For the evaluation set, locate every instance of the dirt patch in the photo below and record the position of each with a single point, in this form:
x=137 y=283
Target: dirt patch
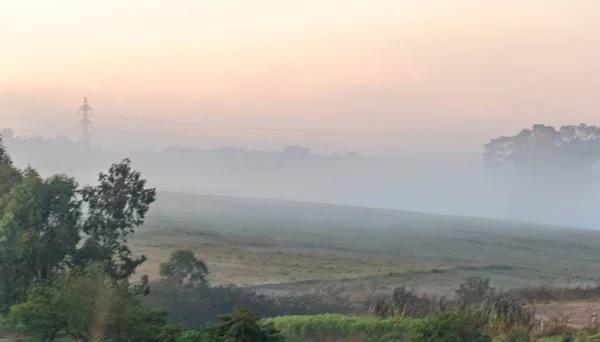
x=577 y=315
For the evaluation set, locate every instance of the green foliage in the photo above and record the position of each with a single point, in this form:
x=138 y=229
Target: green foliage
x=87 y=304
x=9 y=175
x=447 y=327
x=115 y=207
x=242 y=325
x=39 y=314
x=212 y=333
x=192 y=336
x=20 y=227
x=339 y=326
x=517 y=335
x=130 y=321
x=184 y=270
x=4 y=156
x=41 y=225
x=76 y=303
x=49 y=285
x=551 y=339
x=39 y=229
x=271 y=333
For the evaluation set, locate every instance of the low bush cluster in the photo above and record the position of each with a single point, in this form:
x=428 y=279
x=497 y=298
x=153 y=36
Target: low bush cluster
x=500 y=311
x=201 y=305
x=329 y=326
x=440 y=327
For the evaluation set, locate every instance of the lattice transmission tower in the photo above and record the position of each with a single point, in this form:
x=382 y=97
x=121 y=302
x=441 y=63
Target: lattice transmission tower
x=85 y=111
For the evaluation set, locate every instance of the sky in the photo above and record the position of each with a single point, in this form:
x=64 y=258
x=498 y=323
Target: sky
x=377 y=76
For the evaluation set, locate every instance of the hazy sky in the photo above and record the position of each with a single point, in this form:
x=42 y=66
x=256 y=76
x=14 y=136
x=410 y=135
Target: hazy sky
x=372 y=75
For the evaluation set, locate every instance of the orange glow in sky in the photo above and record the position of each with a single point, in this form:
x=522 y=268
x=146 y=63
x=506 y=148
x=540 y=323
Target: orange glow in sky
x=443 y=59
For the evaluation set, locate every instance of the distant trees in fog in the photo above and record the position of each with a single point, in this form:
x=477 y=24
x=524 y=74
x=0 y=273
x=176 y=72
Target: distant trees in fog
x=547 y=171
x=574 y=148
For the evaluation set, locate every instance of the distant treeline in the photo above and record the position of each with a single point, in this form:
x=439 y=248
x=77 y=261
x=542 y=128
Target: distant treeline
x=541 y=174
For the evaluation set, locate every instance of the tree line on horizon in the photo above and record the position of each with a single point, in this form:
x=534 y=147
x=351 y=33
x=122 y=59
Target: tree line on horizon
x=523 y=174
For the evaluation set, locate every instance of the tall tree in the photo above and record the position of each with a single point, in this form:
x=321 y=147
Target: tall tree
x=4 y=156
x=41 y=226
x=115 y=207
x=9 y=175
x=39 y=231
x=20 y=225
x=60 y=234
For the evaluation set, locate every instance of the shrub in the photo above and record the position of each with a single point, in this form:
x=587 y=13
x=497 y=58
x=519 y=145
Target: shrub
x=191 y=336
x=240 y=325
x=473 y=292
x=499 y=311
x=331 y=326
x=516 y=336
x=554 y=339
x=404 y=302
x=198 y=306
x=446 y=327
x=502 y=311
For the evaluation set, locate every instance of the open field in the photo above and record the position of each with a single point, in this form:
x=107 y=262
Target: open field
x=290 y=247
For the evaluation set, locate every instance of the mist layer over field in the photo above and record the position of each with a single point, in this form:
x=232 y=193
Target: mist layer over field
x=457 y=184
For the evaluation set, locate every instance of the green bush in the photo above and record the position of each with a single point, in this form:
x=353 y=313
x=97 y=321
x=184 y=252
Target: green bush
x=240 y=325
x=446 y=327
x=516 y=336
x=551 y=339
x=190 y=336
x=321 y=327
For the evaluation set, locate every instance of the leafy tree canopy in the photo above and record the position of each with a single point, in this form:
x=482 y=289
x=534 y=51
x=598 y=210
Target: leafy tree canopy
x=115 y=207
x=184 y=269
x=544 y=147
x=242 y=325
x=42 y=223
x=88 y=305
x=4 y=156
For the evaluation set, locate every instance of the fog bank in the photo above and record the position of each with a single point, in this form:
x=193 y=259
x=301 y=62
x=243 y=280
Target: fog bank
x=446 y=184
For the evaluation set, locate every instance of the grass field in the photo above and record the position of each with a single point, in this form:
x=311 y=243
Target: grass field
x=290 y=247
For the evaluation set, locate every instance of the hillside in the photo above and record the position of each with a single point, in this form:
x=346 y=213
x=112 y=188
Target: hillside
x=293 y=246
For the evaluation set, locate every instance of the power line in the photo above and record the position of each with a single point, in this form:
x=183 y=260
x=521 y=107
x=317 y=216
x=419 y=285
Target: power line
x=259 y=128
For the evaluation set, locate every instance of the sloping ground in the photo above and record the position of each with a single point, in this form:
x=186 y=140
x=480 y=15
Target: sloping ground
x=293 y=246
x=440 y=281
